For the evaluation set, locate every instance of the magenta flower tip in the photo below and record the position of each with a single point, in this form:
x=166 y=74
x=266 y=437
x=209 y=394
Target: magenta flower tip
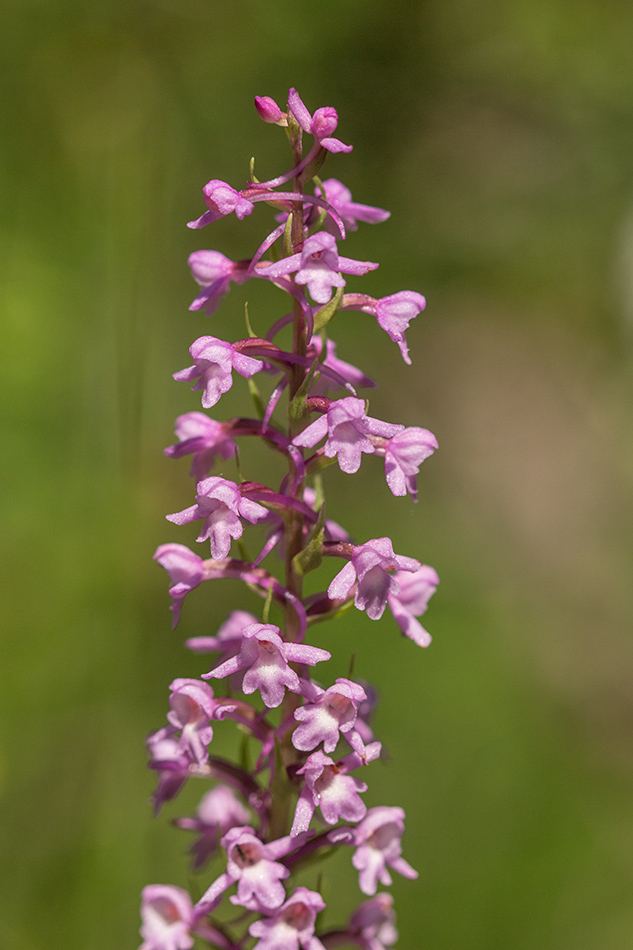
x=269 y=111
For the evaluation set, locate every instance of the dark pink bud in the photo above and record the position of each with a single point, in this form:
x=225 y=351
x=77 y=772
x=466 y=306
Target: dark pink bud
x=269 y=111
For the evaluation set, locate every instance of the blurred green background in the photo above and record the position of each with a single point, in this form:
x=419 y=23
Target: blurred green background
x=500 y=135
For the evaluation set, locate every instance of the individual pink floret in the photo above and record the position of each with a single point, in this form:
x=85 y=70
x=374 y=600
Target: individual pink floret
x=373 y=923
x=377 y=841
x=221 y=199
x=394 y=313
x=218 y=811
x=370 y=565
x=333 y=713
x=340 y=197
x=253 y=865
x=292 y=926
x=329 y=787
x=269 y=111
x=404 y=454
x=411 y=601
x=191 y=707
x=265 y=656
x=321 y=124
x=171 y=762
x=212 y=372
x=319 y=266
x=347 y=429
x=204 y=439
x=220 y=504
x=214 y=272
x=185 y=570
x=167 y=917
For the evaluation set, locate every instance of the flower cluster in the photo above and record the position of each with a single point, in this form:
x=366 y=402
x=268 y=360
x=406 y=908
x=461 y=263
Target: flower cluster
x=303 y=797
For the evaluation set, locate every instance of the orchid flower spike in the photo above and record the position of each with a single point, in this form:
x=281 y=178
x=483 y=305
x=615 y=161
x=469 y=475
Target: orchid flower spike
x=296 y=787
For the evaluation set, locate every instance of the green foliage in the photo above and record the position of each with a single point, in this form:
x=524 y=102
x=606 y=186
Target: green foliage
x=325 y=313
x=298 y=412
x=312 y=555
